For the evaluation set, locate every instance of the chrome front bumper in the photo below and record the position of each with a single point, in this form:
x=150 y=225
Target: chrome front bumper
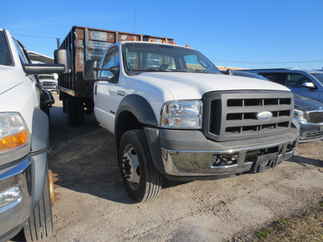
x=15 y=198
x=202 y=163
x=310 y=132
x=189 y=154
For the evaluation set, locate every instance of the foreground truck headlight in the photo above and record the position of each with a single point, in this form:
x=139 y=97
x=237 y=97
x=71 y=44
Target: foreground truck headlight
x=13 y=132
x=184 y=114
x=299 y=116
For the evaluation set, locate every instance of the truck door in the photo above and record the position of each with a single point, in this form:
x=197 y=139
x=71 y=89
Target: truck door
x=107 y=92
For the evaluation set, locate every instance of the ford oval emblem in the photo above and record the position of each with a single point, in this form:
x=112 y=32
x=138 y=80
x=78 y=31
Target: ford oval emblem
x=264 y=116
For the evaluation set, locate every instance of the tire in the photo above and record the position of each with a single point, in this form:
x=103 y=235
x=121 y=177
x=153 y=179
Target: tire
x=40 y=223
x=75 y=111
x=150 y=181
x=65 y=108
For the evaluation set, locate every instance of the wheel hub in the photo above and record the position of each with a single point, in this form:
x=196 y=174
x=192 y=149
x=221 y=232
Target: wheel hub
x=131 y=166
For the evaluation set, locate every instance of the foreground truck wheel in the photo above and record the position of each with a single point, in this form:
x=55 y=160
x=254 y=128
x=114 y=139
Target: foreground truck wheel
x=142 y=181
x=40 y=224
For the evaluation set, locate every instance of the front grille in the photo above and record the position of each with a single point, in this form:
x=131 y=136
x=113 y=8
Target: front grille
x=232 y=115
x=46 y=83
x=313 y=134
x=315 y=117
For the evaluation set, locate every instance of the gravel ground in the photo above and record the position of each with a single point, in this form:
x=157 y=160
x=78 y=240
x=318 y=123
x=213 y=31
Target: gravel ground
x=307 y=225
x=93 y=205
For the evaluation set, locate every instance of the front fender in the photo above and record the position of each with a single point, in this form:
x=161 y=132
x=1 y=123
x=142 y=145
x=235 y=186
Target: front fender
x=140 y=108
x=39 y=146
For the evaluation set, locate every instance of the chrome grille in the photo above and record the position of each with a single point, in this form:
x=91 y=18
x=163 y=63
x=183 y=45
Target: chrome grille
x=232 y=115
x=315 y=117
x=47 y=83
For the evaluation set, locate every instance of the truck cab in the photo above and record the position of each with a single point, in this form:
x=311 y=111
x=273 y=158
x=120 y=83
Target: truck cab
x=24 y=187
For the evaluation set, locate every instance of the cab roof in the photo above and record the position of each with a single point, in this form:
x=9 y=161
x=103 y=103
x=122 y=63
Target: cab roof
x=148 y=42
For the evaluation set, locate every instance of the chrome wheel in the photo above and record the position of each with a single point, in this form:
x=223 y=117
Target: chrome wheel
x=131 y=167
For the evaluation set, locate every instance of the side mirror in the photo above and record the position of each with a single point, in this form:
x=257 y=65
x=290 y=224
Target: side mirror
x=106 y=75
x=32 y=69
x=60 y=57
x=309 y=85
x=111 y=74
x=91 y=70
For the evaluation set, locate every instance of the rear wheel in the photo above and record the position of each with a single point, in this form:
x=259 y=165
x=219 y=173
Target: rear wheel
x=40 y=223
x=75 y=110
x=140 y=177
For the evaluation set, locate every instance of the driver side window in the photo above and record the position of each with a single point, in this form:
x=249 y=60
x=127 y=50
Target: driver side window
x=111 y=59
x=110 y=65
x=296 y=80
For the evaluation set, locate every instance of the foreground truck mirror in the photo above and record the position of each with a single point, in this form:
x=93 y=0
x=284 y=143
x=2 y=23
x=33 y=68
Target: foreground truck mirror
x=32 y=69
x=60 y=57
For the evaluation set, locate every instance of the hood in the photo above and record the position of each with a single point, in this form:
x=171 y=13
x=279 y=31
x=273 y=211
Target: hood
x=9 y=77
x=194 y=85
x=307 y=104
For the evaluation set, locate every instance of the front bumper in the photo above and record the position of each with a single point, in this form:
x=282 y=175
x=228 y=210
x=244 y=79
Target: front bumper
x=188 y=153
x=310 y=132
x=15 y=210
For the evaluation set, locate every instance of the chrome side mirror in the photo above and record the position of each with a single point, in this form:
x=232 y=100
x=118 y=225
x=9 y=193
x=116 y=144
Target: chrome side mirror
x=309 y=85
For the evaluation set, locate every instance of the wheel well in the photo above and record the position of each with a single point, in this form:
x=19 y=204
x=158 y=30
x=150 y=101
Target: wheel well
x=126 y=121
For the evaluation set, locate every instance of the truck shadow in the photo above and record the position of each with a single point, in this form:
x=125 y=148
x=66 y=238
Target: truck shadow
x=85 y=160
x=306 y=161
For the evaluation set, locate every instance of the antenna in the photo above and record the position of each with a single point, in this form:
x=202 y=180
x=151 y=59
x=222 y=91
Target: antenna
x=134 y=20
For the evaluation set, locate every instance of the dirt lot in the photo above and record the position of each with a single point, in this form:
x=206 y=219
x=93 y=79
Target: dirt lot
x=306 y=226
x=94 y=206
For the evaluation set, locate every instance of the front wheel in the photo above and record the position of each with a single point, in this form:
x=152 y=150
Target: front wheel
x=140 y=177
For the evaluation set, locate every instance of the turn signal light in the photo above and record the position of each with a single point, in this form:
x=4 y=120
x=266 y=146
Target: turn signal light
x=14 y=140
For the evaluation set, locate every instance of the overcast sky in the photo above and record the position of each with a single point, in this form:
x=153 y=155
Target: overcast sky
x=238 y=33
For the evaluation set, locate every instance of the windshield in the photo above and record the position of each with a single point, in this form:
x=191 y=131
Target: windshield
x=141 y=57
x=319 y=76
x=5 y=56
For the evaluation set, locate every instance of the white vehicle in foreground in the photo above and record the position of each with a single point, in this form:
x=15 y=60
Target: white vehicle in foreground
x=24 y=187
x=175 y=116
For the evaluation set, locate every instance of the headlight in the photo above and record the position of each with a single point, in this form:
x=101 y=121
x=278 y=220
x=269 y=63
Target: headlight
x=184 y=114
x=299 y=116
x=13 y=131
